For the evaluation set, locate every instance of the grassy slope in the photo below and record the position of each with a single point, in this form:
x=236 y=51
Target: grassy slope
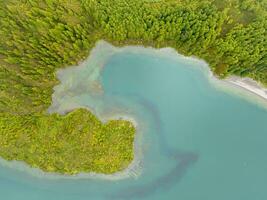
x=38 y=37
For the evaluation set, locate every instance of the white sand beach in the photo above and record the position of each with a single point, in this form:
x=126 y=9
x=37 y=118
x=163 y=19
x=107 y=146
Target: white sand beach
x=249 y=85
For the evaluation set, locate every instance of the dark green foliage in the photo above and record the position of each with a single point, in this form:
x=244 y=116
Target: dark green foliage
x=229 y=34
x=244 y=51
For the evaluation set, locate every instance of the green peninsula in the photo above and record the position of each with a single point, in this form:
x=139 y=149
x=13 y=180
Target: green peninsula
x=73 y=143
x=39 y=37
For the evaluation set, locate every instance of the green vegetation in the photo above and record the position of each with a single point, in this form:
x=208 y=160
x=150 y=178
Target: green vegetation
x=76 y=142
x=38 y=37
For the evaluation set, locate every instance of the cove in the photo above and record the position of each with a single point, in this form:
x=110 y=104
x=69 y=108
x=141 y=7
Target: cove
x=194 y=141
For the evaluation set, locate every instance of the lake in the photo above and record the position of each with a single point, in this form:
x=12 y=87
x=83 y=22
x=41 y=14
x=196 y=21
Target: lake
x=195 y=141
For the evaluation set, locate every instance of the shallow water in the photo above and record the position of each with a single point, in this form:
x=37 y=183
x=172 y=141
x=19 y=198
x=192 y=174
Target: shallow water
x=195 y=141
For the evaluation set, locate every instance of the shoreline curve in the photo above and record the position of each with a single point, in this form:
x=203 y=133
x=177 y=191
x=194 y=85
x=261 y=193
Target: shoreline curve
x=134 y=169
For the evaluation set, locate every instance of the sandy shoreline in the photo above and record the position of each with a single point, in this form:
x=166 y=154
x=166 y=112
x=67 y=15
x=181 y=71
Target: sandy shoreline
x=246 y=88
x=248 y=84
x=133 y=170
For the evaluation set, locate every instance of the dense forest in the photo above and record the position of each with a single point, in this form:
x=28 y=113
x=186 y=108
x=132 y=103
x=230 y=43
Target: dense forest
x=63 y=144
x=38 y=37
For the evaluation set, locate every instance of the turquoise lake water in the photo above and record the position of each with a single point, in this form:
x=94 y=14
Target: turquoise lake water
x=196 y=142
